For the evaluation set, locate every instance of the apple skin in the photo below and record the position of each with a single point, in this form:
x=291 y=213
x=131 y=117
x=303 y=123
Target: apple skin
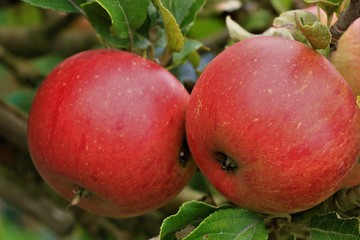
x=346 y=59
x=284 y=115
x=112 y=123
x=353 y=179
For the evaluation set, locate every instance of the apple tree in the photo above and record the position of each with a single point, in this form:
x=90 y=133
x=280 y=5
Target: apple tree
x=193 y=119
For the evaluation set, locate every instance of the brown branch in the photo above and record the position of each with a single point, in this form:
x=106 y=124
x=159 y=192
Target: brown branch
x=57 y=24
x=32 y=41
x=13 y=126
x=346 y=18
x=21 y=68
x=57 y=220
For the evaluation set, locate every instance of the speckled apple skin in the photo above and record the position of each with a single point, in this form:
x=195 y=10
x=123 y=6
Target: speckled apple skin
x=284 y=114
x=112 y=123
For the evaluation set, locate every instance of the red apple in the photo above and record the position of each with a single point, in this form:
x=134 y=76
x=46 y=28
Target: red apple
x=346 y=59
x=273 y=125
x=111 y=123
x=353 y=179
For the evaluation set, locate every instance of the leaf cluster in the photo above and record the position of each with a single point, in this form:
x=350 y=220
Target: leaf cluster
x=198 y=220
x=143 y=26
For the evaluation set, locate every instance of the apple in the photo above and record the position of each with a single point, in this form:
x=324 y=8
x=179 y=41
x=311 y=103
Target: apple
x=273 y=125
x=353 y=179
x=107 y=128
x=346 y=59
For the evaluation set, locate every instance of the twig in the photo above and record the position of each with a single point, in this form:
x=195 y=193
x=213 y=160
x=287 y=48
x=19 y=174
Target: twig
x=57 y=220
x=345 y=20
x=13 y=126
x=32 y=41
x=57 y=24
x=22 y=69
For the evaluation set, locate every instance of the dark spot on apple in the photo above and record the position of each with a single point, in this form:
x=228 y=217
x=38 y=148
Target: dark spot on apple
x=184 y=154
x=227 y=164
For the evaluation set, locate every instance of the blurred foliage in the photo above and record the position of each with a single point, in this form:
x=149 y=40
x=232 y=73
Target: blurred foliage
x=20 y=15
x=15 y=226
x=206 y=27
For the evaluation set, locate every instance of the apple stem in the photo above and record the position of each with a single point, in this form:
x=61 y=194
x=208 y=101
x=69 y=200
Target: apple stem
x=80 y=193
x=227 y=164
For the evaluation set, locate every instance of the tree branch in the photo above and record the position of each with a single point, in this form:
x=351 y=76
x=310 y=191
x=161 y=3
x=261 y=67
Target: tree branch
x=13 y=126
x=22 y=69
x=57 y=220
x=345 y=20
x=38 y=40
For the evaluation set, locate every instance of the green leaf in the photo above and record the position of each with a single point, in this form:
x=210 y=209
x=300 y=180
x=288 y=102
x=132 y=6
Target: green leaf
x=21 y=15
x=173 y=32
x=190 y=47
x=101 y=21
x=184 y=11
x=11 y=230
x=117 y=20
x=317 y=34
x=64 y=5
x=281 y=6
x=195 y=59
x=287 y=20
x=258 y=20
x=281 y=32
x=329 y=6
x=126 y=16
x=205 y=27
x=190 y=214
x=237 y=224
x=236 y=32
x=331 y=227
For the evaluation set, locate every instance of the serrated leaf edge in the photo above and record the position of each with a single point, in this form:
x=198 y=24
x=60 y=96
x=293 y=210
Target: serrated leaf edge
x=186 y=204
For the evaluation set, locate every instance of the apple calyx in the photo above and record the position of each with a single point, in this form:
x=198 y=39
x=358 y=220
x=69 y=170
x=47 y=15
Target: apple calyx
x=227 y=164
x=80 y=193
